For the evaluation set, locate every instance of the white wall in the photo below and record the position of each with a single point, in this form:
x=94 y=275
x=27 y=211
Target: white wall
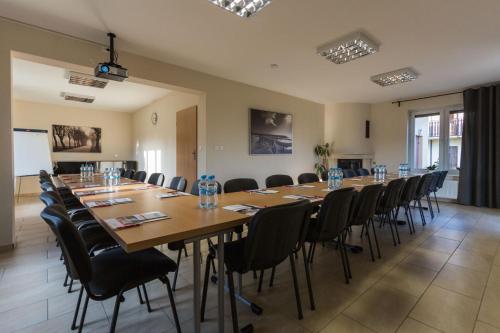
x=116 y=131
x=162 y=136
x=345 y=128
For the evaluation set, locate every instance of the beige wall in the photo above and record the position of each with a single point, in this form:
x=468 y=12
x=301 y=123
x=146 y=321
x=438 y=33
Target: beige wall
x=223 y=116
x=345 y=128
x=116 y=132
x=390 y=127
x=162 y=136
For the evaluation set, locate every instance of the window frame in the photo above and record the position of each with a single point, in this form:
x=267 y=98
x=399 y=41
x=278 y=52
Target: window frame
x=444 y=134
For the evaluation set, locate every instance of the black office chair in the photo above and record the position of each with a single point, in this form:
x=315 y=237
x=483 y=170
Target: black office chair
x=140 y=176
x=195 y=190
x=274 y=234
x=240 y=184
x=112 y=272
x=362 y=213
x=422 y=190
x=156 y=179
x=278 y=180
x=436 y=175
x=331 y=223
x=324 y=175
x=178 y=183
x=407 y=195
x=78 y=215
x=129 y=173
x=122 y=171
x=349 y=173
x=308 y=178
x=386 y=208
x=362 y=172
x=439 y=185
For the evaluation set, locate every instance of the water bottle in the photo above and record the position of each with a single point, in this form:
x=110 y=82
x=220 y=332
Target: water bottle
x=106 y=176
x=331 y=179
x=383 y=172
x=212 y=196
x=91 y=175
x=377 y=172
x=401 y=170
x=202 y=192
x=82 y=170
x=340 y=178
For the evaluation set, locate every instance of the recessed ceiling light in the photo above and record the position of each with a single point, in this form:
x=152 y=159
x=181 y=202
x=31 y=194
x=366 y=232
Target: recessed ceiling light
x=398 y=76
x=275 y=66
x=86 y=80
x=242 y=8
x=348 y=48
x=77 y=97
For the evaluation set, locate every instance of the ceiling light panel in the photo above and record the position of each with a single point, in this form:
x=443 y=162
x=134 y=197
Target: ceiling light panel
x=86 y=80
x=398 y=76
x=242 y=8
x=348 y=48
x=77 y=98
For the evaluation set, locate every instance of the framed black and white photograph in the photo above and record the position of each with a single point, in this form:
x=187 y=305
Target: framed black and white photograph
x=76 y=139
x=270 y=132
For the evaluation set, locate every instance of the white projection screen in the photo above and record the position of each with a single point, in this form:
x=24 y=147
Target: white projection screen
x=31 y=152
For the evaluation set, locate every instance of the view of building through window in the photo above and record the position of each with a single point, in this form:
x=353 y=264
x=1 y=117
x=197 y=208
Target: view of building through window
x=428 y=138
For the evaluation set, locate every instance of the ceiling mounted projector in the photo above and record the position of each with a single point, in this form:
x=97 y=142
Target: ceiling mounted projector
x=111 y=70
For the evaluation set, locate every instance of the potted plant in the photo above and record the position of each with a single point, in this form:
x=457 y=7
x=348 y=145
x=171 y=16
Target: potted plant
x=433 y=167
x=322 y=153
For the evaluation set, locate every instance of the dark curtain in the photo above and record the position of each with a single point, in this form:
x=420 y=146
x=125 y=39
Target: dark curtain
x=479 y=183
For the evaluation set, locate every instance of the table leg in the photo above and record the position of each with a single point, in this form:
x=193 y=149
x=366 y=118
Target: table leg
x=196 y=286
x=220 y=280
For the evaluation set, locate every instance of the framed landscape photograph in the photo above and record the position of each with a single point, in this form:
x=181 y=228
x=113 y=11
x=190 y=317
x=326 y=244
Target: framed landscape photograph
x=270 y=132
x=76 y=139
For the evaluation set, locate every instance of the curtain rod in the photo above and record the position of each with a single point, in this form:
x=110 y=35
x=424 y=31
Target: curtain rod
x=426 y=97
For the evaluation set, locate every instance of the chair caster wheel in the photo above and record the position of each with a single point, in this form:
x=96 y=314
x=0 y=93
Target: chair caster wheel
x=247 y=329
x=122 y=299
x=214 y=279
x=256 y=309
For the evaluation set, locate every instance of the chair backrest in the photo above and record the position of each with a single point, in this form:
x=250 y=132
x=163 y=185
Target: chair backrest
x=423 y=185
x=156 y=179
x=72 y=245
x=122 y=172
x=365 y=203
x=240 y=184
x=140 y=176
x=195 y=190
x=274 y=233
x=333 y=215
x=178 y=183
x=391 y=195
x=278 y=180
x=435 y=179
x=308 y=178
x=324 y=175
x=47 y=186
x=50 y=198
x=129 y=173
x=409 y=190
x=362 y=172
x=349 y=173
x=442 y=178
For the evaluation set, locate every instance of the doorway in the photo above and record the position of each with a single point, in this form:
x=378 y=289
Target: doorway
x=187 y=143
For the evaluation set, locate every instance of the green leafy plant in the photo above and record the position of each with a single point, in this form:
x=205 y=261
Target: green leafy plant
x=322 y=153
x=433 y=166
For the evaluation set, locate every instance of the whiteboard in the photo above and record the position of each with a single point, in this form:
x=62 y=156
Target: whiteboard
x=31 y=152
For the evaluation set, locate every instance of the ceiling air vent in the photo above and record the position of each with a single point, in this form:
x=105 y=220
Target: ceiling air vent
x=86 y=80
x=77 y=98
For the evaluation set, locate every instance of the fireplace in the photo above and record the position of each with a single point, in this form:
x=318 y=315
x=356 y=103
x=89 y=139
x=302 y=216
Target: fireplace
x=350 y=163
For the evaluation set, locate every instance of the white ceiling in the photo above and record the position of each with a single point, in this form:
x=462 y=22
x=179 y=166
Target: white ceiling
x=43 y=83
x=451 y=43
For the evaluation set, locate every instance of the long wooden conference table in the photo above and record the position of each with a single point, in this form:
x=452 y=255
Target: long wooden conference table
x=186 y=220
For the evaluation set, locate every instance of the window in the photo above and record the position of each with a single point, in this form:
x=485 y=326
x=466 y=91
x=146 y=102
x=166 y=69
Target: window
x=435 y=139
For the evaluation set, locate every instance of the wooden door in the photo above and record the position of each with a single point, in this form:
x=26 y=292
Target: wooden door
x=187 y=144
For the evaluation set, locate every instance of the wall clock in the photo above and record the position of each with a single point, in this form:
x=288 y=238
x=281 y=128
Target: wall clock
x=154 y=118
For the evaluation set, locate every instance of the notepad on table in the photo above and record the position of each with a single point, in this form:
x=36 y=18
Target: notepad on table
x=263 y=191
x=85 y=193
x=109 y=202
x=171 y=195
x=311 y=198
x=246 y=209
x=135 y=220
x=302 y=185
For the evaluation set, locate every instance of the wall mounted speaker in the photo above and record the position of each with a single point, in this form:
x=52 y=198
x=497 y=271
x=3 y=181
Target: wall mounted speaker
x=367 y=129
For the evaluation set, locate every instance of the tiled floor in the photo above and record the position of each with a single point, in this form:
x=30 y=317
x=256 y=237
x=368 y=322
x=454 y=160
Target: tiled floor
x=444 y=278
